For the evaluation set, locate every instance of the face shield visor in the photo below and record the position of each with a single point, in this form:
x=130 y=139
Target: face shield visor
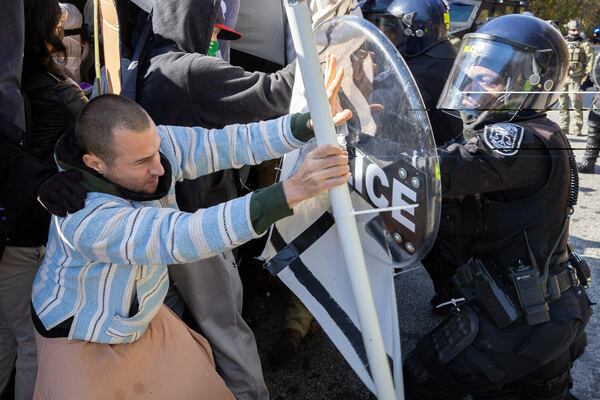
x=391 y=27
x=489 y=77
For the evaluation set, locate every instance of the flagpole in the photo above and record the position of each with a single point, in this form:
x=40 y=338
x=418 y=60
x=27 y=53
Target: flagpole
x=304 y=43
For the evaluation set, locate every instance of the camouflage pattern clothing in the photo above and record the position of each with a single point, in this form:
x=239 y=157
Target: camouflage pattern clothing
x=581 y=61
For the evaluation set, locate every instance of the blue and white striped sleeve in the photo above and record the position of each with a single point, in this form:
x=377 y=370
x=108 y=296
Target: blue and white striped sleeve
x=115 y=232
x=194 y=152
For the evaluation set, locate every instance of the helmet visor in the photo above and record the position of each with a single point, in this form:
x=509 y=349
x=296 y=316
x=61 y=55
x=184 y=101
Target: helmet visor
x=489 y=76
x=391 y=26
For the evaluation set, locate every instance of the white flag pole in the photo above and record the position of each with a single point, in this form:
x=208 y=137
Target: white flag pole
x=308 y=60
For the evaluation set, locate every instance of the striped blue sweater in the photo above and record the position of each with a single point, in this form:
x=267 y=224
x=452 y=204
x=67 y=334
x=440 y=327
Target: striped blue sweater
x=98 y=258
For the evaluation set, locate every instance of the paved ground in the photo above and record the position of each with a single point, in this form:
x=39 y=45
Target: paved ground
x=319 y=372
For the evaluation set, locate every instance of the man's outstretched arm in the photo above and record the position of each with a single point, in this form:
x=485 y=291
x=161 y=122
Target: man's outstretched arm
x=115 y=232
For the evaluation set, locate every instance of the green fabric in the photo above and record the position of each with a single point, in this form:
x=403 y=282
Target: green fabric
x=92 y=183
x=213 y=49
x=301 y=128
x=267 y=206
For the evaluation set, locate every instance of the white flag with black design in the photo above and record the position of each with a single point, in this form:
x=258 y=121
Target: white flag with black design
x=394 y=169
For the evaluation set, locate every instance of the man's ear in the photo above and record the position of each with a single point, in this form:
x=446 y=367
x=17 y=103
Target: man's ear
x=93 y=162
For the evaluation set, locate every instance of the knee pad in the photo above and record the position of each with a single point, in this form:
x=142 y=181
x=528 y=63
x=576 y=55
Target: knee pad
x=441 y=345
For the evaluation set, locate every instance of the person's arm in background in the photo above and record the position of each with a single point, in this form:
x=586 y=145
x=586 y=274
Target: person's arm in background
x=22 y=178
x=226 y=94
x=12 y=38
x=20 y=174
x=591 y=56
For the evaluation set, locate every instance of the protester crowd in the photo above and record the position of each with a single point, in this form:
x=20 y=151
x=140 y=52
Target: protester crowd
x=121 y=215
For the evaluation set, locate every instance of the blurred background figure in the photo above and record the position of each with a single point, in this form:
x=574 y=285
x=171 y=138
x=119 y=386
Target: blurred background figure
x=581 y=61
x=73 y=39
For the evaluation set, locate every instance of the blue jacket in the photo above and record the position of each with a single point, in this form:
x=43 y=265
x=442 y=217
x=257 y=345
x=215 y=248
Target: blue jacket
x=100 y=257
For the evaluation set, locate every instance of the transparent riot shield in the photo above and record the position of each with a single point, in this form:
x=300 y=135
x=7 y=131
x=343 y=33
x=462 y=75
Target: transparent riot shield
x=394 y=168
x=393 y=157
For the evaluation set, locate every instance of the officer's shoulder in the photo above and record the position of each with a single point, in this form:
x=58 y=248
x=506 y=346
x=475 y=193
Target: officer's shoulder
x=505 y=139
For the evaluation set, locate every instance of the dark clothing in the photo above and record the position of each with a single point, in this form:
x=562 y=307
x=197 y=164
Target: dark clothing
x=52 y=106
x=20 y=175
x=431 y=70
x=511 y=188
x=506 y=173
x=178 y=85
x=515 y=363
x=12 y=38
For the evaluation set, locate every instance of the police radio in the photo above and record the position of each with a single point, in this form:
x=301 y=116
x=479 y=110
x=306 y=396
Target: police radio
x=530 y=286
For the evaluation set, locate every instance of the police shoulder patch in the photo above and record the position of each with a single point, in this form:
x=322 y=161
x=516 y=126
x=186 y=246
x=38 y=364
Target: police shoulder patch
x=503 y=139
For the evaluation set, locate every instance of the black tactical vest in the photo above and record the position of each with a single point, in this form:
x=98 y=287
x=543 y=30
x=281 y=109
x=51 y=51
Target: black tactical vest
x=541 y=214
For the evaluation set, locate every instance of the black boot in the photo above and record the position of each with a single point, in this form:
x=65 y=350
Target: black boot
x=587 y=165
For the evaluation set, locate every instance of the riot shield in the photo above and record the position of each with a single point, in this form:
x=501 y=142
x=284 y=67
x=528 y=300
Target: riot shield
x=390 y=141
x=596 y=71
x=394 y=167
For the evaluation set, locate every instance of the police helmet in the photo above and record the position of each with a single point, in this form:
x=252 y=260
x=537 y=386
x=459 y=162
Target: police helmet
x=413 y=26
x=512 y=66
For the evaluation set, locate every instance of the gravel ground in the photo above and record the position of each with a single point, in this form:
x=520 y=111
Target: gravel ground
x=319 y=371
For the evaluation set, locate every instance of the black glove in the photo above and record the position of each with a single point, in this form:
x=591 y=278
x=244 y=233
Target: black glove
x=62 y=193
x=587 y=83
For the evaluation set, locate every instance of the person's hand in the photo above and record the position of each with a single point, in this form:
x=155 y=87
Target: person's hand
x=323 y=168
x=333 y=83
x=62 y=193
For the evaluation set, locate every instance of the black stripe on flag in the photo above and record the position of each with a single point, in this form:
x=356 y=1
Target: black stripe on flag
x=289 y=255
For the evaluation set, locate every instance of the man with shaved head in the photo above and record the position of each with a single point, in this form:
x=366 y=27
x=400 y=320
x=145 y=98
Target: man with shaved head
x=104 y=278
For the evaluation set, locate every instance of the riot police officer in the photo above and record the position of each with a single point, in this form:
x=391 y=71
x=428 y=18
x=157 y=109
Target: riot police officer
x=519 y=322
x=588 y=164
x=581 y=60
x=419 y=30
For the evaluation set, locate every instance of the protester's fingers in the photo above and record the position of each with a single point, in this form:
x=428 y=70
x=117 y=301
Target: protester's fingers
x=332 y=62
x=328 y=70
x=334 y=86
x=326 y=150
x=318 y=167
x=331 y=183
x=342 y=117
x=334 y=171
